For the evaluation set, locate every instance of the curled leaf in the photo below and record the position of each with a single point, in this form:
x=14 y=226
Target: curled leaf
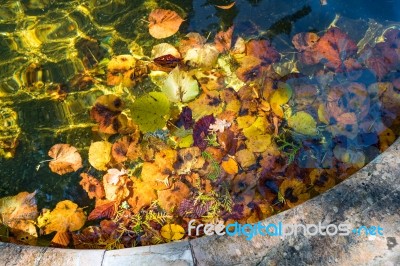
x=92 y=186
x=164 y=23
x=226 y=7
x=66 y=159
x=116 y=184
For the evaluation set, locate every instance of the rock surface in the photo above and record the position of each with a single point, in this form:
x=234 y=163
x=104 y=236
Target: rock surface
x=371 y=197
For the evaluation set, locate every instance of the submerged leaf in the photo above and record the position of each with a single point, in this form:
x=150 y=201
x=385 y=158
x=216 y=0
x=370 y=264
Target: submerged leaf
x=19 y=207
x=164 y=23
x=66 y=159
x=280 y=97
x=106 y=111
x=303 y=123
x=180 y=86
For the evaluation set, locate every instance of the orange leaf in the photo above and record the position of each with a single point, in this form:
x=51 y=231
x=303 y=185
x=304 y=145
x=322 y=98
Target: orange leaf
x=106 y=210
x=164 y=23
x=230 y=166
x=223 y=40
x=227 y=6
x=61 y=239
x=66 y=159
x=19 y=207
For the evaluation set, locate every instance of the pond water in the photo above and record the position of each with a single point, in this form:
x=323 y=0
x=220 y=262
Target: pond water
x=341 y=113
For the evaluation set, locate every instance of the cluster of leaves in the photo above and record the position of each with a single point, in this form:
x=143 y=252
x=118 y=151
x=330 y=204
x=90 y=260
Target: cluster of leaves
x=223 y=137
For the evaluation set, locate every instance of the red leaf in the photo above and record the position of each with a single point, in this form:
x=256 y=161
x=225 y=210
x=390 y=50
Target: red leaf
x=168 y=61
x=263 y=50
x=103 y=211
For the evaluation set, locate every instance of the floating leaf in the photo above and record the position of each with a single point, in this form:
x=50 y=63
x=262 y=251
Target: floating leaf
x=24 y=231
x=143 y=195
x=245 y=158
x=259 y=143
x=180 y=86
x=106 y=111
x=263 y=50
x=100 y=154
x=66 y=159
x=231 y=167
x=293 y=192
x=223 y=40
x=106 y=210
x=201 y=131
x=191 y=40
x=303 y=123
x=164 y=23
x=61 y=239
x=66 y=217
x=116 y=184
x=19 y=207
x=219 y=125
x=169 y=199
x=92 y=186
x=205 y=56
x=151 y=111
x=172 y=232
x=164 y=49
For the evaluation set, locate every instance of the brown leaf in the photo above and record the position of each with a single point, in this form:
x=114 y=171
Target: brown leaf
x=19 y=207
x=226 y=7
x=190 y=41
x=263 y=50
x=116 y=184
x=305 y=41
x=92 y=186
x=66 y=159
x=106 y=210
x=164 y=23
x=106 y=112
x=223 y=40
x=170 y=199
x=61 y=239
x=126 y=148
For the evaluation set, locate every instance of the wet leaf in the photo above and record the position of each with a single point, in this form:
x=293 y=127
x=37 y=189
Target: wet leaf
x=164 y=49
x=294 y=192
x=191 y=40
x=280 y=97
x=189 y=159
x=303 y=123
x=164 y=23
x=106 y=210
x=386 y=138
x=116 y=184
x=169 y=199
x=226 y=7
x=106 y=111
x=100 y=154
x=24 y=231
x=202 y=57
x=180 y=86
x=19 y=207
x=263 y=50
x=305 y=40
x=245 y=158
x=186 y=118
x=223 y=40
x=230 y=166
x=61 y=239
x=208 y=103
x=143 y=195
x=66 y=217
x=66 y=159
x=172 y=232
x=151 y=111
x=92 y=186
x=259 y=143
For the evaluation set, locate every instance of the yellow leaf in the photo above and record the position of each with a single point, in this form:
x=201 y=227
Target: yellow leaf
x=245 y=158
x=259 y=127
x=24 y=231
x=100 y=154
x=245 y=121
x=172 y=232
x=230 y=166
x=259 y=143
x=66 y=216
x=281 y=96
x=303 y=123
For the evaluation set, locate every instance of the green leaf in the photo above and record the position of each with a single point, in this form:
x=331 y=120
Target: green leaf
x=180 y=86
x=151 y=111
x=303 y=123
